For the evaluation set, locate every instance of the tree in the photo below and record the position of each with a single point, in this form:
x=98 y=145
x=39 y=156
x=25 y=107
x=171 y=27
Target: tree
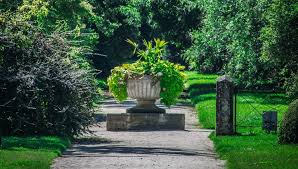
x=280 y=41
x=139 y=20
x=122 y=20
x=228 y=41
x=175 y=20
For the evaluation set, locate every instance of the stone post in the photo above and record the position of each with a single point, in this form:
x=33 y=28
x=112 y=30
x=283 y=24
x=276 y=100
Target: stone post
x=224 y=106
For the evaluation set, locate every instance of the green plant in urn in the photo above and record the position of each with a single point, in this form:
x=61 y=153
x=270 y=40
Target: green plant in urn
x=148 y=79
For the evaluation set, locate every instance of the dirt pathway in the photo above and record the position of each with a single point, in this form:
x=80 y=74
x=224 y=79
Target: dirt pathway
x=189 y=149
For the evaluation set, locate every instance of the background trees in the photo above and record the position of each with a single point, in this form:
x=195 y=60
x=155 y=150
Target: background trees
x=142 y=19
x=228 y=41
x=254 y=41
x=280 y=40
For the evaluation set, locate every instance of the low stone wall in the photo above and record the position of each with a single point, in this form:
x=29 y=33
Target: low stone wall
x=145 y=121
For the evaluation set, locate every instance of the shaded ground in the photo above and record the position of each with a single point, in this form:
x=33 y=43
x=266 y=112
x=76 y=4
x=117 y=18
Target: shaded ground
x=189 y=149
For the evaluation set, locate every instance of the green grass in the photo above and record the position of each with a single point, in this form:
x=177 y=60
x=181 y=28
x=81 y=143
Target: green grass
x=30 y=152
x=201 y=89
x=260 y=151
x=252 y=148
x=250 y=105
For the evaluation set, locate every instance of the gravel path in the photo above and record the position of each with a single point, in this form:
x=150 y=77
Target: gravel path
x=189 y=149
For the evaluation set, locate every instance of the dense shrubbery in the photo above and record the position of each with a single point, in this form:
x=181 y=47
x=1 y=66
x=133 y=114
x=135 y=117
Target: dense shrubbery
x=43 y=90
x=289 y=127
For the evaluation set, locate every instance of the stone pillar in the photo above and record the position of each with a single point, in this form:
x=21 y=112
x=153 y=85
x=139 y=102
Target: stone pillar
x=224 y=106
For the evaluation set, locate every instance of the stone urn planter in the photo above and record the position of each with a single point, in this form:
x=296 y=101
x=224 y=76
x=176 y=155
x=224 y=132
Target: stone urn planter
x=146 y=91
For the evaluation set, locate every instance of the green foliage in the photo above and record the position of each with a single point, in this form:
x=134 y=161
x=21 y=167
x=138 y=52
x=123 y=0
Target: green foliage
x=104 y=25
x=172 y=81
x=62 y=14
x=253 y=41
x=280 y=40
x=228 y=40
x=291 y=86
x=150 y=63
x=9 y=5
x=117 y=82
x=70 y=19
x=31 y=152
x=289 y=127
x=102 y=84
x=175 y=19
x=42 y=90
x=257 y=151
x=142 y=19
x=121 y=20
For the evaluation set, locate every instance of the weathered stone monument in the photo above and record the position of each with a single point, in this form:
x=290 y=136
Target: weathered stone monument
x=145 y=115
x=224 y=106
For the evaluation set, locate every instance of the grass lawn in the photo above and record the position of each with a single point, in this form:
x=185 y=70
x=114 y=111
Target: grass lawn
x=250 y=105
x=259 y=151
x=201 y=90
x=30 y=152
x=252 y=148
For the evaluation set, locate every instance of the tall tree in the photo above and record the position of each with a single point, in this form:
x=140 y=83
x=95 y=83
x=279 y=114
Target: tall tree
x=280 y=41
x=229 y=41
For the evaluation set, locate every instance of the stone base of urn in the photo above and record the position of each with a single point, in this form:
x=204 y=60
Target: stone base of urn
x=145 y=106
x=145 y=121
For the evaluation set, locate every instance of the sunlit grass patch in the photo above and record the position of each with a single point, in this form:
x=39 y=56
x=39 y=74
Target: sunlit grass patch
x=259 y=151
x=250 y=105
x=30 y=152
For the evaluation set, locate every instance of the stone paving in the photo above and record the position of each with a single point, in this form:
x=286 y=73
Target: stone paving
x=189 y=149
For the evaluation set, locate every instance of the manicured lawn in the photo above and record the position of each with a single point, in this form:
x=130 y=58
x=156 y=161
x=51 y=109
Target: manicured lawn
x=201 y=90
x=252 y=148
x=250 y=105
x=30 y=152
x=260 y=151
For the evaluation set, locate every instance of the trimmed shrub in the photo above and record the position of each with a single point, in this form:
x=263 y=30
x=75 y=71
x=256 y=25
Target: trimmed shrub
x=289 y=127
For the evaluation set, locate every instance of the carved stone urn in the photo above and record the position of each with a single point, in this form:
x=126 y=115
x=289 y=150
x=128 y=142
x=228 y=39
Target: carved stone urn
x=146 y=91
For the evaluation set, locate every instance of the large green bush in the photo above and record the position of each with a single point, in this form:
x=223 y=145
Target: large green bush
x=289 y=126
x=43 y=90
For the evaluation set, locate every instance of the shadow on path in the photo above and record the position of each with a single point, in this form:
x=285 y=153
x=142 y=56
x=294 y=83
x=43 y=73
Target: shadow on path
x=99 y=150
